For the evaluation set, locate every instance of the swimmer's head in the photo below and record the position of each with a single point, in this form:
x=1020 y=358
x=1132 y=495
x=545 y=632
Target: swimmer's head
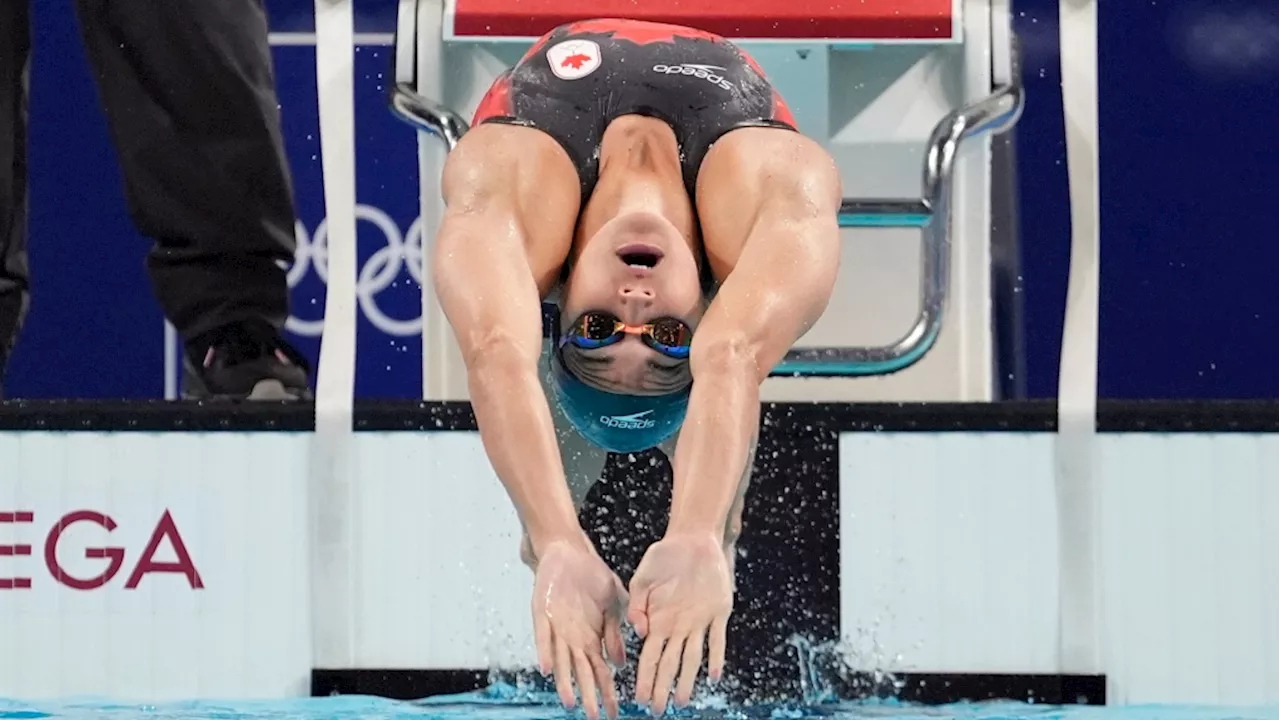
x=628 y=312
x=634 y=294
x=613 y=421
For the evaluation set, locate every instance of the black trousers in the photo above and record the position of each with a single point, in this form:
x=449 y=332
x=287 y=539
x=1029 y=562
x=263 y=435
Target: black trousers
x=189 y=94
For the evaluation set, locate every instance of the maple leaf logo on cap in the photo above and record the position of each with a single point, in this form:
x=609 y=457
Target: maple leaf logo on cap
x=574 y=59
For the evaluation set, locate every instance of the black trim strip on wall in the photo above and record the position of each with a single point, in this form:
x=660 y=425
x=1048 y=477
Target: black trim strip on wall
x=154 y=416
x=1256 y=416
x=913 y=687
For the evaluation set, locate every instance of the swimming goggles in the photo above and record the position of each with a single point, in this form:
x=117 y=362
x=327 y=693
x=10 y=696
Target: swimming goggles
x=596 y=329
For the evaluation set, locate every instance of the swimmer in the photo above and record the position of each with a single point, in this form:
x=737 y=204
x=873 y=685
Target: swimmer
x=648 y=181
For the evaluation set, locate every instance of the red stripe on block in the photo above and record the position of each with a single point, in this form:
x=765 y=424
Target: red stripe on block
x=763 y=19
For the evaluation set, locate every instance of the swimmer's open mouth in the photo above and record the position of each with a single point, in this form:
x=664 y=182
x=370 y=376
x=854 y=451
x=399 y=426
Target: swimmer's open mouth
x=645 y=256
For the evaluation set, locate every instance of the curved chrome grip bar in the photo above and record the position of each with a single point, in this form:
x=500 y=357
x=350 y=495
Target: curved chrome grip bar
x=427 y=115
x=931 y=213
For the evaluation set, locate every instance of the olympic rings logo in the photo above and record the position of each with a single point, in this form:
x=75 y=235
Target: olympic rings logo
x=378 y=273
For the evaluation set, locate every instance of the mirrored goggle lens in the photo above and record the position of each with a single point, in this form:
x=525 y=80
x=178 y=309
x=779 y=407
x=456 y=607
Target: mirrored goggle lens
x=671 y=332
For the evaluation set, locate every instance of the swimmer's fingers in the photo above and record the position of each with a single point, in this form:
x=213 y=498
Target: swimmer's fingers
x=638 y=606
x=604 y=678
x=542 y=640
x=667 y=669
x=613 y=645
x=584 y=675
x=647 y=668
x=614 y=648
x=689 y=667
x=564 y=674
x=715 y=649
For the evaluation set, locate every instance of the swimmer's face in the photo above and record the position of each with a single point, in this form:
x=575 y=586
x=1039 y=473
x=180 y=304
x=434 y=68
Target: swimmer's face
x=638 y=270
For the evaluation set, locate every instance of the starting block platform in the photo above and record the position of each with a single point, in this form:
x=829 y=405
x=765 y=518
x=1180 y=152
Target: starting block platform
x=893 y=89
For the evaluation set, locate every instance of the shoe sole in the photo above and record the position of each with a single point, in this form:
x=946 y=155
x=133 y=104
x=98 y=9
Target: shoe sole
x=269 y=390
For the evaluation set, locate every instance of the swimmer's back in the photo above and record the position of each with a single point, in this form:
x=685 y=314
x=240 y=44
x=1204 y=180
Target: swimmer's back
x=580 y=77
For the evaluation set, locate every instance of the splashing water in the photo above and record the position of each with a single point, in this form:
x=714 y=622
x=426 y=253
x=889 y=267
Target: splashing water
x=826 y=667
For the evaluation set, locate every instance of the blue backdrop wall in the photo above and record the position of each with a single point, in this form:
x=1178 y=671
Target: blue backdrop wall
x=1189 y=191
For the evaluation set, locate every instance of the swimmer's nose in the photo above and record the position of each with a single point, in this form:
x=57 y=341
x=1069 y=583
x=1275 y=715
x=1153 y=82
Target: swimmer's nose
x=635 y=303
x=636 y=295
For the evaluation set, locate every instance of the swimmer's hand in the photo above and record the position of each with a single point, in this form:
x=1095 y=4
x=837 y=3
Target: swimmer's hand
x=681 y=597
x=577 y=616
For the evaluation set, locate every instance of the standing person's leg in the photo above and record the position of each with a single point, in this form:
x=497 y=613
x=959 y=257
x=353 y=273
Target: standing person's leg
x=15 y=54
x=190 y=97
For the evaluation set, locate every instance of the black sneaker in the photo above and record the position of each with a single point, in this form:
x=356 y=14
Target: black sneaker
x=244 y=361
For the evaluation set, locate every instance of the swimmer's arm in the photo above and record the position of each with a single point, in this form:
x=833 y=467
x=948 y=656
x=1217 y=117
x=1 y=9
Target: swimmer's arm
x=779 y=287
x=488 y=293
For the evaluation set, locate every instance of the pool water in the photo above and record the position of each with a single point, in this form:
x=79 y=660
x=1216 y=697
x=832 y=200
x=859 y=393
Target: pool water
x=501 y=703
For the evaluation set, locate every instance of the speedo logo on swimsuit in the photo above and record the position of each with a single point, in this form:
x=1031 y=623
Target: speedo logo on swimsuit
x=637 y=421
x=704 y=72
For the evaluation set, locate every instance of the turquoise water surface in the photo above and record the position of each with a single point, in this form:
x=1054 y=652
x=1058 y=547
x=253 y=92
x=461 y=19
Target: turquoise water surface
x=500 y=703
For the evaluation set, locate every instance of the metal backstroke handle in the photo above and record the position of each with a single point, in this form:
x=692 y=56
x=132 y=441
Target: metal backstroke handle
x=932 y=215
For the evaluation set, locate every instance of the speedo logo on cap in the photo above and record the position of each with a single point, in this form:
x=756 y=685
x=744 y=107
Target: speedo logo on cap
x=710 y=73
x=638 y=421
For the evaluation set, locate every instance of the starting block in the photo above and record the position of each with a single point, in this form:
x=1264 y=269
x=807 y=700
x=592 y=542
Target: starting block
x=447 y=52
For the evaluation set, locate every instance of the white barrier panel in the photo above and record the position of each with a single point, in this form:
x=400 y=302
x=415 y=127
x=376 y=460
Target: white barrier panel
x=219 y=607
x=191 y=550
x=440 y=582
x=153 y=566
x=949 y=559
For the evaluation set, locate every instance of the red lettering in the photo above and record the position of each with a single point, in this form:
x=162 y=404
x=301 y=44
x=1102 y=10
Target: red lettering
x=114 y=555
x=147 y=564
x=166 y=530
x=21 y=516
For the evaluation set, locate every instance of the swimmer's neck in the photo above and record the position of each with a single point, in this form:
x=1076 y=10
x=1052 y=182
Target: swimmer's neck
x=640 y=175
